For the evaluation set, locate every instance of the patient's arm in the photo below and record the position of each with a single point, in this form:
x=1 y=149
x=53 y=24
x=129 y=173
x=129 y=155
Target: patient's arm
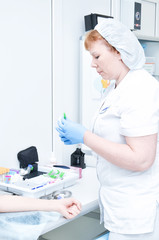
x=68 y=207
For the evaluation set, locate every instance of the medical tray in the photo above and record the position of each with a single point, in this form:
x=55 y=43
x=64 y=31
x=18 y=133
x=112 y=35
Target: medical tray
x=42 y=185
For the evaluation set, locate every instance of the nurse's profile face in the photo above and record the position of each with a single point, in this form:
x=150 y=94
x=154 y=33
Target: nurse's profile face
x=107 y=61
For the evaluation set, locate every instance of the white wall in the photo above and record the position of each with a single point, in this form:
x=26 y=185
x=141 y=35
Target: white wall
x=68 y=27
x=25 y=79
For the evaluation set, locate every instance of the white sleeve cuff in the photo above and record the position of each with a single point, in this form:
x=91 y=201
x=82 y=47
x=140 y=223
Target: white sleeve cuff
x=138 y=132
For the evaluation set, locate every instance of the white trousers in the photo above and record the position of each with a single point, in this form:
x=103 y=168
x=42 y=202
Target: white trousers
x=146 y=236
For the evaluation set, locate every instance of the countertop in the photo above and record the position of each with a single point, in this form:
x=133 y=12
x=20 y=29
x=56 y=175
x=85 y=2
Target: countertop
x=86 y=191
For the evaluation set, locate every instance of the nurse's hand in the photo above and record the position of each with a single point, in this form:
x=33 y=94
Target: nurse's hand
x=70 y=132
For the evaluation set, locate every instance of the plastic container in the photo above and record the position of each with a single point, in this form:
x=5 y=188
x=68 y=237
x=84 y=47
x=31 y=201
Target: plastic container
x=150 y=65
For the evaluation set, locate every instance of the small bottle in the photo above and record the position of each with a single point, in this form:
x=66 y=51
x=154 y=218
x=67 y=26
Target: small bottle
x=26 y=170
x=29 y=169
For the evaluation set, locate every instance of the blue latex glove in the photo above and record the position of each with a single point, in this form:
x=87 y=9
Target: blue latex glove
x=70 y=132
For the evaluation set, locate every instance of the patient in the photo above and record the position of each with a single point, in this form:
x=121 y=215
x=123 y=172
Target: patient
x=68 y=207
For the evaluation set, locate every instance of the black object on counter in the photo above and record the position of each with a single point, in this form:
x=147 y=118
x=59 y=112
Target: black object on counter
x=29 y=156
x=77 y=159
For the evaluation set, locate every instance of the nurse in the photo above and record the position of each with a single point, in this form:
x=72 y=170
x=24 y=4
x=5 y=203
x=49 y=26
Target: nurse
x=124 y=134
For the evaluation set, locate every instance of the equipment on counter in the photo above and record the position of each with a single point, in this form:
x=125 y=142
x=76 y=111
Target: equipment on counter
x=77 y=159
x=53 y=179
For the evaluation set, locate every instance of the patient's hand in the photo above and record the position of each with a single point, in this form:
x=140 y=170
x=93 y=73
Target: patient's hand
x=68 y=207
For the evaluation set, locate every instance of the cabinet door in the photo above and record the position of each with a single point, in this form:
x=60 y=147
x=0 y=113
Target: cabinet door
x=25 y=79
x=148 y=16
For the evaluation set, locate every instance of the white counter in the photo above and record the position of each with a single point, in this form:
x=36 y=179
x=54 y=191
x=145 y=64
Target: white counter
x=86 y=191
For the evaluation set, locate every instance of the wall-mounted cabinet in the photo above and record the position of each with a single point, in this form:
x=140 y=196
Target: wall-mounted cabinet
x=141 y=16
x=148 y=17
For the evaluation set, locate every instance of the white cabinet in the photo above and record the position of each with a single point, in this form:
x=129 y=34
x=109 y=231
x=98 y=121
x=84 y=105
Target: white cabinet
x=148 y=17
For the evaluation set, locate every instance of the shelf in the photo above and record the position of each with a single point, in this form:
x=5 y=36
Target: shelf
x=146 y=38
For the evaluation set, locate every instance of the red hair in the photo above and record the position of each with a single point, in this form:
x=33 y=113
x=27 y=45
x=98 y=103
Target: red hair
x=93 y=36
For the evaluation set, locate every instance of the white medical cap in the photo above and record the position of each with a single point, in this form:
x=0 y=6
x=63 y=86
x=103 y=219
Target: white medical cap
x=124 y=41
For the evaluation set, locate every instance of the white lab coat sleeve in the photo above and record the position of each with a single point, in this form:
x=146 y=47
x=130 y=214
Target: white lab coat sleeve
x=140 y=111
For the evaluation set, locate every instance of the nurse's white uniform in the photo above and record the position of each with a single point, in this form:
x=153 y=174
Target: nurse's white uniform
x=128 y=199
